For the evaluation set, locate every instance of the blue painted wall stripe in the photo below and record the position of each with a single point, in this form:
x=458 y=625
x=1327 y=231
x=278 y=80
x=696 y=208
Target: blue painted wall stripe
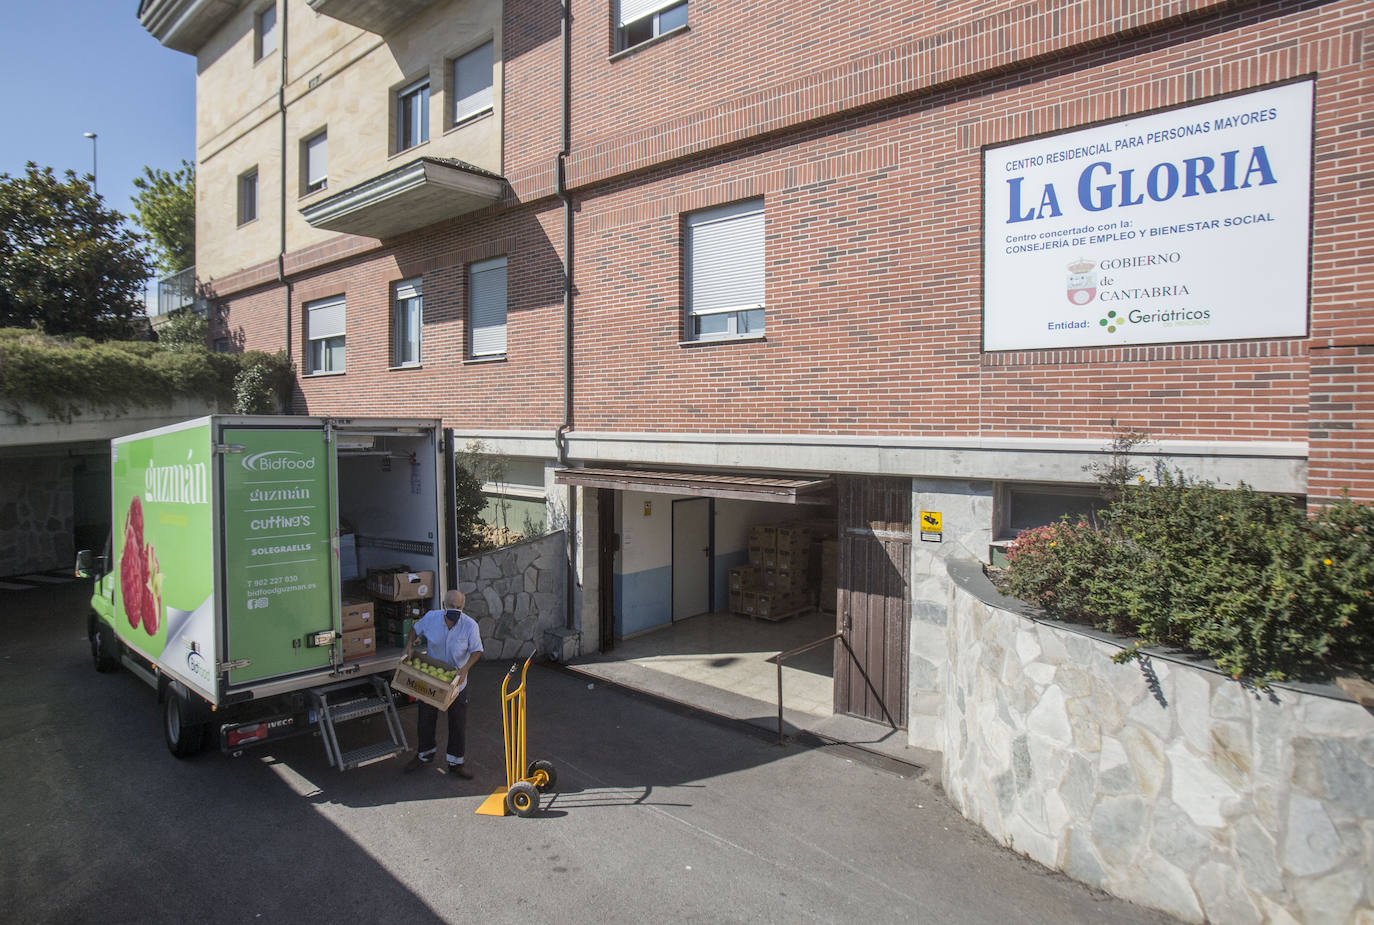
x=643 y=600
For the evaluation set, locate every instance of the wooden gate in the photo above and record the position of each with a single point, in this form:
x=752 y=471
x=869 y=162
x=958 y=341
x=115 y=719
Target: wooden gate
x=874 y=609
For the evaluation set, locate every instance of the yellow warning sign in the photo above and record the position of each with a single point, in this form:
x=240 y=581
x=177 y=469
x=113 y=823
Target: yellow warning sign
x=930 y=522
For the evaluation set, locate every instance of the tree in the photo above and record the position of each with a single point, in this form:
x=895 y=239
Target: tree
x=184 y=329
x=69 y=265
x=166 y=204
x=469 y=502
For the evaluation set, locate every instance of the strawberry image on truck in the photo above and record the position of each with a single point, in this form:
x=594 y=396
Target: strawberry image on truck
x=236 y=541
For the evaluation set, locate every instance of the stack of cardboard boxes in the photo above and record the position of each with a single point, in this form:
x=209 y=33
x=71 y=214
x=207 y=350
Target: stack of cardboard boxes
x=382 y=609
x=358 y=624
x=782 y=577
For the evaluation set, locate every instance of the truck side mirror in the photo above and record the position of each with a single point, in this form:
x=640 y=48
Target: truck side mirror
x=84 y=560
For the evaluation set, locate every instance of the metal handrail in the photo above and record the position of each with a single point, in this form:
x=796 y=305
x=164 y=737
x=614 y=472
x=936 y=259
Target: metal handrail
x=782 y=656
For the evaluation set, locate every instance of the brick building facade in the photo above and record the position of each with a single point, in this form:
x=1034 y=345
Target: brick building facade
x=861 y=140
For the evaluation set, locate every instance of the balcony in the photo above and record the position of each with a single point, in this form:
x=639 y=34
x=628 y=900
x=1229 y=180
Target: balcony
x=377 y=16
x=176 y=292
x=420 y=193
x=185 y=25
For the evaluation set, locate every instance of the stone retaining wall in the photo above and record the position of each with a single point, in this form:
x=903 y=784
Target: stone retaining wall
x=516 y=594
x=35 y=514
x=1163 y=782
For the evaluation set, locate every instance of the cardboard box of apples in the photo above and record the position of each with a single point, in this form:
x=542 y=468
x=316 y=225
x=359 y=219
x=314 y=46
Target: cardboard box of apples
x=425 y=679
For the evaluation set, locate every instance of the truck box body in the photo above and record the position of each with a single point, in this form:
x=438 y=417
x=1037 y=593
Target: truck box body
x=227 y=544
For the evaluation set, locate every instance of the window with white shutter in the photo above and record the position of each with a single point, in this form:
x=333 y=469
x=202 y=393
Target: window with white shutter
x=324 y=335
x=472 y=82
x=487 y=308
x=638 y=21
x=406 y=314
x=725 y=277
x=316 y=158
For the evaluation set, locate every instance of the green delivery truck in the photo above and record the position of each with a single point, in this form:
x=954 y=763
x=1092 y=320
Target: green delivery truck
x=233 y=541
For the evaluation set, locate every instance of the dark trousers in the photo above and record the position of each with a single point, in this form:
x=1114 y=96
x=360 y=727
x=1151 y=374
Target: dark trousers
x=428 y=720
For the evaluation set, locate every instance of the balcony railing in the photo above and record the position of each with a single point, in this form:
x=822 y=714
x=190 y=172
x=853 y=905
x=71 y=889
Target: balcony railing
x=176 y=291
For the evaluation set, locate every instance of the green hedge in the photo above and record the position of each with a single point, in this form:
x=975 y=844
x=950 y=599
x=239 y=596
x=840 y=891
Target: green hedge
x=66 y=377
x=1247 y=579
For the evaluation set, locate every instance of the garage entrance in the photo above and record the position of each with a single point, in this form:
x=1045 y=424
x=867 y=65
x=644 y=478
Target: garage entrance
x=707 y=576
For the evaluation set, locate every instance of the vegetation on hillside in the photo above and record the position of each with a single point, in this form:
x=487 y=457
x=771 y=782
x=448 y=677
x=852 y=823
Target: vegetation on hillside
x=66 y=377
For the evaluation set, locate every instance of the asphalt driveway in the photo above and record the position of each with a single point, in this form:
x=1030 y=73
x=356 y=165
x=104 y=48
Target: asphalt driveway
x=661 y=815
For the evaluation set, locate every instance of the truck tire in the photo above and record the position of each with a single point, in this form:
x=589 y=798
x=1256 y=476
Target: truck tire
x=183 y=739
x=104 y=645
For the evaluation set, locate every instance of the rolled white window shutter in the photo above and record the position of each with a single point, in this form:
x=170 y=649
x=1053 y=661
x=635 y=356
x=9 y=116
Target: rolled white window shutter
x=325 y=318
x=487 y=307
x=632 y=10
x=472 y=81
x=316 y=159
x=726 y=252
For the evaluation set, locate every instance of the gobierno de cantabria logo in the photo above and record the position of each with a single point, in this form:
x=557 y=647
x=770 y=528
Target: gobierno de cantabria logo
x=1082 y=282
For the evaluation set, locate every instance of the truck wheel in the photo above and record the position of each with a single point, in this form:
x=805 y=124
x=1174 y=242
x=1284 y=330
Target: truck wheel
x=523 y=799
x=104 y=651
x=183 y=739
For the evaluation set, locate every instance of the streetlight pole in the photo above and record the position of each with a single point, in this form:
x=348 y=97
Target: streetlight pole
x=94 y=183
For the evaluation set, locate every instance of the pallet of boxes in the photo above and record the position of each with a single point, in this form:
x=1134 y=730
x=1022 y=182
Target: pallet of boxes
x=783 y=575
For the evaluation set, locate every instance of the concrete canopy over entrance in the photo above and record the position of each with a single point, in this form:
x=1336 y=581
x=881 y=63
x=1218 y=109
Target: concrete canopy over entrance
x=777 y=489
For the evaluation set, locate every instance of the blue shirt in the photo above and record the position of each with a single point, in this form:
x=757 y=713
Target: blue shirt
x=451 y=646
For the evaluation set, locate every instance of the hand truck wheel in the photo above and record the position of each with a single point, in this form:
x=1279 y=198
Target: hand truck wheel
x=523 y=799
x=543 y=775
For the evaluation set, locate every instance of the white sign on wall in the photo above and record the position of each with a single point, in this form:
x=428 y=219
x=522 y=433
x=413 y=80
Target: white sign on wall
x=1185 y=225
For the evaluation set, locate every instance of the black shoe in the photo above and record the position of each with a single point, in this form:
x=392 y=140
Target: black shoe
x=460 y=770
x=417 y=763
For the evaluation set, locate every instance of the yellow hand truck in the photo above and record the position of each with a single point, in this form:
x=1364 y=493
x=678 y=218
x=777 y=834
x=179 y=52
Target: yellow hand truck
x=521 y=793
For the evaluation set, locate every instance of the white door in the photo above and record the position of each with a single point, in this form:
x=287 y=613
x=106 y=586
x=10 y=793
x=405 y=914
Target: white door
x=691 y=557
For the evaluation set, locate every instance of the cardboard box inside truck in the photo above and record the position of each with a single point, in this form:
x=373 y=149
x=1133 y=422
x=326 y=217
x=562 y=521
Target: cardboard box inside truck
x=401 y=585
x=356 y=615
x=357 y=643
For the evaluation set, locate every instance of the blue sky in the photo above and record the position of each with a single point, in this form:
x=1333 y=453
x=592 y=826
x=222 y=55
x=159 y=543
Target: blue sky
x=74 y=66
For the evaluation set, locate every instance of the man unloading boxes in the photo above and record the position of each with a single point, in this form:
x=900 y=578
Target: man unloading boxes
x=450 y=636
